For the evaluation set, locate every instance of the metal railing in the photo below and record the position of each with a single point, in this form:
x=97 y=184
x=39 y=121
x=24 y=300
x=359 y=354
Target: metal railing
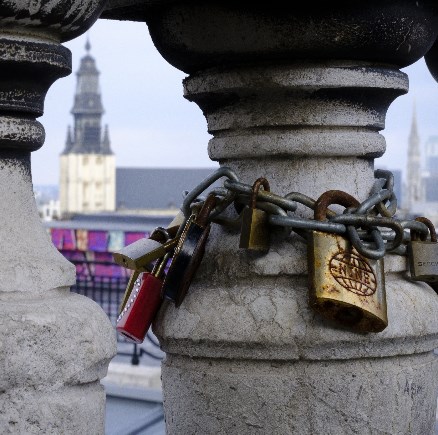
x=107 y=291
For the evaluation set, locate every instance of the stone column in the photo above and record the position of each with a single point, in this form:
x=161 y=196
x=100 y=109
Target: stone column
x=55 y=345
x=297 y=93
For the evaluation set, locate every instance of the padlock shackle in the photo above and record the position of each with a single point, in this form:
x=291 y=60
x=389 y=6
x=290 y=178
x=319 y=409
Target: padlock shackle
x=160 y=266
x=160 y=231
x=333 y=197
x=202 y=217
x=262 y=181
x=423 y=237
x=168 y=233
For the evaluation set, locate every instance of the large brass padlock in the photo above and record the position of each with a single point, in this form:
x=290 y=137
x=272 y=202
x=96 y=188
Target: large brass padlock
x=423 y=254
x=254 y=233
x=344 y=286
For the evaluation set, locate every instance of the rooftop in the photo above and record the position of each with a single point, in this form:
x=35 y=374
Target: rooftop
x=121 y=221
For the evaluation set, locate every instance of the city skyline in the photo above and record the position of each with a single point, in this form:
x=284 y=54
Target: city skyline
x=153 y=125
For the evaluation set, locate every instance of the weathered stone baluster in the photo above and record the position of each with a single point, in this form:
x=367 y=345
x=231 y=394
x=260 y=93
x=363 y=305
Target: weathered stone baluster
x=55 y=345
x=295 y=92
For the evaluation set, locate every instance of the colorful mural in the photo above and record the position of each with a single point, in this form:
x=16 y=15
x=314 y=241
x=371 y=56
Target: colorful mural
x=91 y=250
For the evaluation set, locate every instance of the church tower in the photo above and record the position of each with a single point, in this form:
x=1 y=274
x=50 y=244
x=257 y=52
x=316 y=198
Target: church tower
x=414 y=187
x=87 y=173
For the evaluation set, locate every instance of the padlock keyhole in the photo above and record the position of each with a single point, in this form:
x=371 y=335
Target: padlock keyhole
x=349 y=315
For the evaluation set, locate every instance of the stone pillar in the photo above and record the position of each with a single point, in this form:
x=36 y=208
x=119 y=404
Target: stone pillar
x=55 y=345
x=297 y=93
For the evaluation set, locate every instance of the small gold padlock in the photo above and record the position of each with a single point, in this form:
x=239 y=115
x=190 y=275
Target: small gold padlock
x=344 y=286
x=254 y=233
x=423 y=254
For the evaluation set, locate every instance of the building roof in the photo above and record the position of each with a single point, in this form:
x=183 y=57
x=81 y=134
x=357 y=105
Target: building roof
x=113 y=222
x=156 y=188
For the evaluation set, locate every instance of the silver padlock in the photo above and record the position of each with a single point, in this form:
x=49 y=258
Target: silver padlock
x=140 y=255
x=423 y=254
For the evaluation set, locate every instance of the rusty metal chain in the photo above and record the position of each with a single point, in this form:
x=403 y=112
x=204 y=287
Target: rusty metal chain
x=372 y=227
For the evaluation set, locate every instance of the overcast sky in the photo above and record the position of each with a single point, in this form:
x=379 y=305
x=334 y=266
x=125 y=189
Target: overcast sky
x=152 y=125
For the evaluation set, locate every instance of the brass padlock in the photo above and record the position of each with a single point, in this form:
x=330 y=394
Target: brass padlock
x=141 y=254
x=423 y=254
x=254 y=232
x=344 y=286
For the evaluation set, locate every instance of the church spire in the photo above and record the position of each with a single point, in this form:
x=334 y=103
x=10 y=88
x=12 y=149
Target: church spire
x=413 y=136
x=414 y=185
x=106 y=149
x=88 y=109
x=87 y=97
x=87 y=45
x=68 y=141
x=106 y=135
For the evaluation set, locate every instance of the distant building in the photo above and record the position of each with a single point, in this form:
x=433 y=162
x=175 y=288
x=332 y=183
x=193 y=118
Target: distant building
x=430 y=179
x=414 y=187
x=398 y=190
x=156 y=188
x=87 y=173
x=432 y=155
x=50 y=210
x=46 y=198
x=422 y=180
x=89 y=180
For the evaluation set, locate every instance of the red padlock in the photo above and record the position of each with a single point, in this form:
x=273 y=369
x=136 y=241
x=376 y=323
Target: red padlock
x=143 y=303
